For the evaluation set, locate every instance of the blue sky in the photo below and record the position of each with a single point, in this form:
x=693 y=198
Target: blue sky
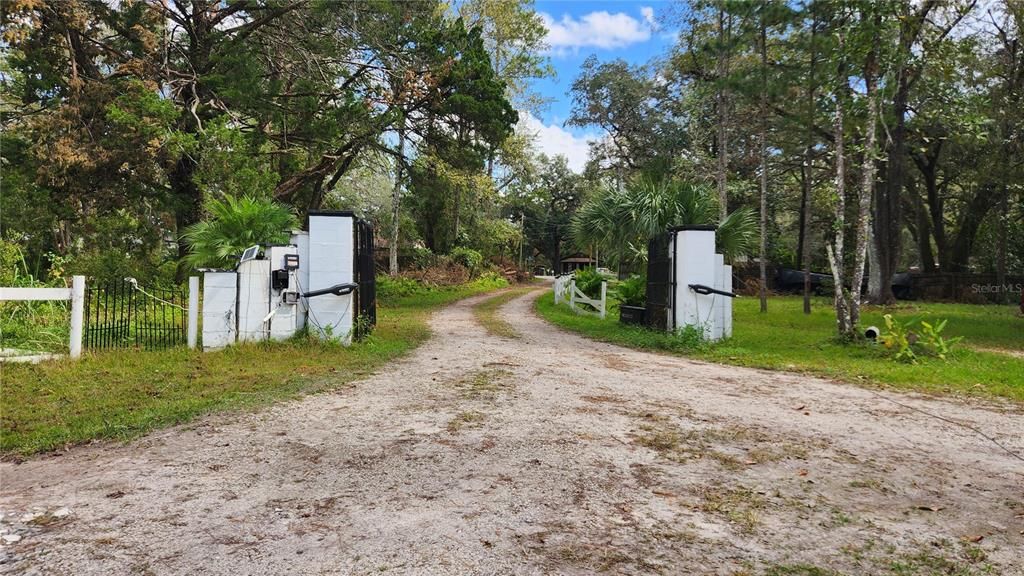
x=632 y=31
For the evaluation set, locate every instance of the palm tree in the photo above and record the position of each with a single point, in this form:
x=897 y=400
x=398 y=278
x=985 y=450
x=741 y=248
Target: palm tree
x=622 y=221
x=234 y=224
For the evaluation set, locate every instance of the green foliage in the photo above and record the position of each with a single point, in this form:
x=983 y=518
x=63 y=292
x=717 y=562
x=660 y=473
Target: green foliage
x=234 y=224
x=897 y=338
x=633 y=106
x=934 y=341
x=545 y=203
x=589 y=281
x=621 y=221
x=393 y=287
x=467 y=257
x=231 y=165
x=906 y=345
x=632 y=291
x=488 y=281
x=33 y=325
x=423 y=258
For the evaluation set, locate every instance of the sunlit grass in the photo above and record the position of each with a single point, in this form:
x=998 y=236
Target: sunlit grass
x=785 y=338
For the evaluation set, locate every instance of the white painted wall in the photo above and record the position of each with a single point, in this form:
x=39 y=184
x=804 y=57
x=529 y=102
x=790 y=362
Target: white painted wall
x=300 y=239
x=253 y=299
x=220 y=291
x=695 y=264
x=331 y=261
x=283 y=323
x=727 y=312
x=718 y=317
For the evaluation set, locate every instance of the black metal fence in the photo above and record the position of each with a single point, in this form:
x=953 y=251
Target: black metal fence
x=121 y=314
x=366 y=277
x=659 y=282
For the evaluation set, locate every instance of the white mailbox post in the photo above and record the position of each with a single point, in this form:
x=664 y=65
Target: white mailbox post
x=700 y=281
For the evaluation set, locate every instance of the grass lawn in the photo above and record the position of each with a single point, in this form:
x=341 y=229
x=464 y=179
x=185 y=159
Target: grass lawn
x=486 y=312
x=122 y=394
x=786 y=339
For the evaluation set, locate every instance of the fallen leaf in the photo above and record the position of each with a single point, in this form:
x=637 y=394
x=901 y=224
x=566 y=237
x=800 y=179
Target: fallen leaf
x=801 y=472
x=800 y=407
x=930 y=508
x=974 y=538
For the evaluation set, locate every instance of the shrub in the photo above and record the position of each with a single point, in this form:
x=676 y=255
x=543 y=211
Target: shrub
x=234 y=224
x=467 y=257
x=632 y=291
x=906 y=345
x=423 y=258
x=391 y=288
x=589 y=282
x=489 y=280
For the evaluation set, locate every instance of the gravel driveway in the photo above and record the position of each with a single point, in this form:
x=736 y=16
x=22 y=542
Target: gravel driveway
x=542 y=454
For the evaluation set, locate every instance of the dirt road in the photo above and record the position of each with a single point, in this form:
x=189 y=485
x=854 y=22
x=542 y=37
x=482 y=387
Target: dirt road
x=542 y=454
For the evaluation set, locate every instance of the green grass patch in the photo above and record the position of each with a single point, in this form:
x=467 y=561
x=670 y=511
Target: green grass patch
x=785 y=338
x=121 y=394
x=486 y=312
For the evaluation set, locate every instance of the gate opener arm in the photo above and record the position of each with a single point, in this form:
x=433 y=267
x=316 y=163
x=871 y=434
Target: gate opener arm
x=337 y=290
x=705 y=290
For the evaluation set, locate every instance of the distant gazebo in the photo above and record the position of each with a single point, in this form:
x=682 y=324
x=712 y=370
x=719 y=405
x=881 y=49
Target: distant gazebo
x=575 y=262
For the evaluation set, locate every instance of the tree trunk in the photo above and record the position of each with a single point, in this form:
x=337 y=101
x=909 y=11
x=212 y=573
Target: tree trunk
x=888 y=205
x=873 y=271
x=924 y=229
x=867 y=184
x=808 y=177
x=930 y=210
x=973 y=215
x=722 y=98
x=1002 y=216
x=396 y=203
x=763 y=292
x=189 y=206
x=835 y=255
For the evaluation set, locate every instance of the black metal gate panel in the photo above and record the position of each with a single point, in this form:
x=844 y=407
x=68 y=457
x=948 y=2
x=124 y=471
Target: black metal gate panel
x=121 y=314
x=366 y=278
x=659 y=282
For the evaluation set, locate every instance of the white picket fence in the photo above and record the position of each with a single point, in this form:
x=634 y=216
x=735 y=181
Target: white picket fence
x=567 y=292
x=77 y=296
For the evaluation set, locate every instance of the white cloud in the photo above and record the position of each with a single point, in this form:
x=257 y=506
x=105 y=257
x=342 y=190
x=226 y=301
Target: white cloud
x=648 y=13
x=556 y=141
x=599 y=29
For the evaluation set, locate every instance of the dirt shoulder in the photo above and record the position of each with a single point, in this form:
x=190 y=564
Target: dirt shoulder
x=545 y=453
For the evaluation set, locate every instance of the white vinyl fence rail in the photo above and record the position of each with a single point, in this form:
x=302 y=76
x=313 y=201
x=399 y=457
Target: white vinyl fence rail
x=77 y=296
x=566 y=291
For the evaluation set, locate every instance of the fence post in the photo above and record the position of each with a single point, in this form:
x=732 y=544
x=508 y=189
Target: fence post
x=572 y=294
x=77 y=315
x=193 y=311
x=604 y=301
